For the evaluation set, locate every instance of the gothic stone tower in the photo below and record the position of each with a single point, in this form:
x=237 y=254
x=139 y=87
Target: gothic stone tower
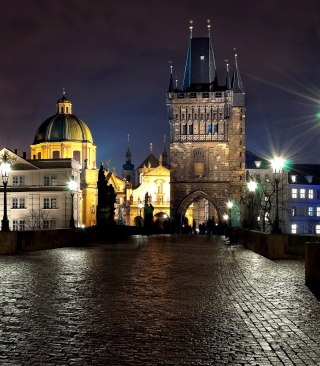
x=207 y=134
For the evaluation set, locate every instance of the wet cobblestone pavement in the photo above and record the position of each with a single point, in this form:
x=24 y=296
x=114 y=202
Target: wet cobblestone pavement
x=180 y=300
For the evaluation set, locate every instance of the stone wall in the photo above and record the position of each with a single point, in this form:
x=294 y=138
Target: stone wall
x=284 y=246
x=14 y=242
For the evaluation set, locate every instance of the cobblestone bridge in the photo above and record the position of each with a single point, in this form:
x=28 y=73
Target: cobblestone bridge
x=159 y=300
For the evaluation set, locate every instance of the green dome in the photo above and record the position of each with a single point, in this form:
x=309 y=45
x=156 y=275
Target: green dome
x=63 y=127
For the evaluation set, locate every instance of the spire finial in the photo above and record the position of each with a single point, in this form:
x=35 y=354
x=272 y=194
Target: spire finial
x=176 y=82
x=128 y=138
x=63 y=91
x=235 y=54
x=208 y=26
x=150 y=146
x=164 y=138
x=227 y=65
x=190 y=27
x=170 y=63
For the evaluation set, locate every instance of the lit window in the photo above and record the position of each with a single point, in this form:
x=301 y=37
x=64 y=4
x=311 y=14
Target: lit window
x=310 y=194
x=293 y=229
x=318 y=211
x=310 y=211
x=302 y=193
x=293 y=178
x=294 y=211
x=317 y=229
x=209 y=129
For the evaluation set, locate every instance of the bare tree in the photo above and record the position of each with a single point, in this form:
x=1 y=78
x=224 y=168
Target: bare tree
x=34 y=219
x=313 y=221
x=265 y=199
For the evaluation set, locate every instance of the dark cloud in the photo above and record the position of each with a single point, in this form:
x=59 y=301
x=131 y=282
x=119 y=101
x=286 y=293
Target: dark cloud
x=112 y=58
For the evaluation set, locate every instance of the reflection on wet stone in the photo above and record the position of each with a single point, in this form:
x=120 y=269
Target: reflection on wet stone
x=158 y=300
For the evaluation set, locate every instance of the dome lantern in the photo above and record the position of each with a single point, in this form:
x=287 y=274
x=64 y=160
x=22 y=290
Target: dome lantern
x=64 y=105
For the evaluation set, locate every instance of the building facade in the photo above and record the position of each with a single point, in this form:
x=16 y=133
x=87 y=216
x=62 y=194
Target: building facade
x=207 y=135
x=38 y=195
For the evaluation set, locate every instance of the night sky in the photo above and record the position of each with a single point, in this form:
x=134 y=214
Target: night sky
x=112 y=59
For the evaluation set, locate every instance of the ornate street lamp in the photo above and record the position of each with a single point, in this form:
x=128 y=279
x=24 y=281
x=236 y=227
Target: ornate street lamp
x=252 y=188
x=140 y=207
x=5 y=170
x=72 y=187
x=277 y=165
x=230 y=205
x=225 y=217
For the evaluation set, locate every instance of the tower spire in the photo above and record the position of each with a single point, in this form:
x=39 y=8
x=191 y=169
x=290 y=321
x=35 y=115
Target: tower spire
x=236 y=78
x=128 y=154
x=164 y=154
x=190 y=27
x=200 y=68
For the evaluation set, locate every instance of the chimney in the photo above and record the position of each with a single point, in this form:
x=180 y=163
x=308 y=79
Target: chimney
x=24 y=155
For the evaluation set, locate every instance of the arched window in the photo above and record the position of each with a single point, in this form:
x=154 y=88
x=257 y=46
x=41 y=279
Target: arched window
x=76 y=155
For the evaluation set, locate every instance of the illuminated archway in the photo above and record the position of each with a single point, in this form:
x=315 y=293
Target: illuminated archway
x=193 y=197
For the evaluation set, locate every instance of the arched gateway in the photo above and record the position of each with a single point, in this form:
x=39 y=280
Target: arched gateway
x=207 y=133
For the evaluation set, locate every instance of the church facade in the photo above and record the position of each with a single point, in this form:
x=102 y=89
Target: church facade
x=207 y=135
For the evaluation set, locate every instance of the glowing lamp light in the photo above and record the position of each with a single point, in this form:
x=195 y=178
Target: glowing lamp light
x=229 y=204
x=277 y=164
x=225 y=217
x=252 y=186
x=72 y=185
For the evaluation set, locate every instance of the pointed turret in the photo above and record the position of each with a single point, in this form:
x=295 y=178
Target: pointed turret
x=171 y=87
x=228 y=83
x=200 y=70
x=236 y=79
x=164 y=154
x=128 y=171
x=237 y=87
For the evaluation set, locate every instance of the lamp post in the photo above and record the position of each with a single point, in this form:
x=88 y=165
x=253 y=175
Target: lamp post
x=140 y=207
x=5 y=170
x=72 y=187
x=230 y=205
x=277 y=165
x=252 y=188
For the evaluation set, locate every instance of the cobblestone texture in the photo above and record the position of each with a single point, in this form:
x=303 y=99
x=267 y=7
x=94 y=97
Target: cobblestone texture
x=181 y=300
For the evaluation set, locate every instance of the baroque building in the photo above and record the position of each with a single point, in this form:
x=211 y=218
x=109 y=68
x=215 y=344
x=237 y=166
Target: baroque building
x=65 y=136
x=207 y=135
